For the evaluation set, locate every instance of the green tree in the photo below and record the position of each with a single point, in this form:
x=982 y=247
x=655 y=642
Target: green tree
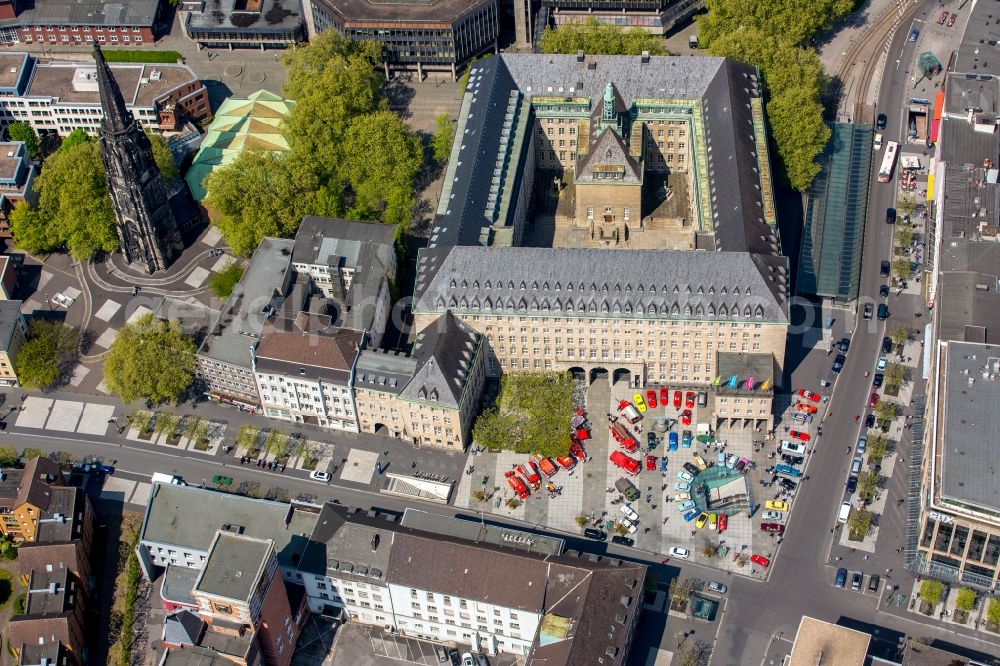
x=73 y=139
x=276 y=442
x=74 y=209
x=443 y=134
x=900 y=334
x=223 y=282
x=904 y=236
x=24 y=132
x=680 y=591
x=30 y=454
x=965 y=599
x=931 y=591
x=532 y=415
x=163 y=157
x=901 y=268
x=993 y=611
x=8 y=456
x=151 y=359
x=885 y=410
x=859 y=522
x=894 y=376
x=247 y=437
x=166 y=423
x=257 y=195
x=796 y=119
x=49 y=353
x=596 y=38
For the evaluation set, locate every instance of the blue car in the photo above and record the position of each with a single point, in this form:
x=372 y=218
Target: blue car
x=686 y=440
x=787 y=470
x=690 y=515
x=663 y=464
x=672 y=446
x=721 y=458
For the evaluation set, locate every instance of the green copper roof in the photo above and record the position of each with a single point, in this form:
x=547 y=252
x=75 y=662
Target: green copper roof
x=252 y=123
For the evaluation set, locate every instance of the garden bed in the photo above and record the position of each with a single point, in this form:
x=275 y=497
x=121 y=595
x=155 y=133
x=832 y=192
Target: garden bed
x=310 y=464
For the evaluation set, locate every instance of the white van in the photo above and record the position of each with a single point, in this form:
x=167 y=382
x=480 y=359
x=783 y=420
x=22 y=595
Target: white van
x=159 y=477
x=792 y=447
x=845 y=512
x=878 y=142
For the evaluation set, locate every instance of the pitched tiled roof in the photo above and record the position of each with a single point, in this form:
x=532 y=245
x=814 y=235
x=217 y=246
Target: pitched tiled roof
x=660 y=284
x=326 y=356
x=606 y=154
x=39 y=475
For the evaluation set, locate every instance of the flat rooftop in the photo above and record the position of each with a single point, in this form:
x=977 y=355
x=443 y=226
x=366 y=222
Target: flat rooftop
x=970 y=425
x=979 y=52
x=76 y=82
x=10 y=159
x=242 y=319
x=818 y=642
x=432 y=11
x=12 y=66
x=234 y=566
x=249 y=15
x=186 y=516
x=86 y=12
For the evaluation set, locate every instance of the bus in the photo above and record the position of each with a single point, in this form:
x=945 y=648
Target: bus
x=888 y=162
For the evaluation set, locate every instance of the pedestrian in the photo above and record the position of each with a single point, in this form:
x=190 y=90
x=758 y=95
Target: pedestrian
x=413 y=465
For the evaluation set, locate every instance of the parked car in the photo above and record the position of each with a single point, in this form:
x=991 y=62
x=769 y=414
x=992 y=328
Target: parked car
x=805 y=407
x=772 y=515
x=883 y=312
x=651 y=463
x=664 y=396
x=787 y=484
x=686 y=439
x=862 y=443
x=856 y=578
x=883 y=290
x=719 y=588
x=700 y=463
x=873 y=582
x=691 y=468
x=686 y=417
x=622 y=540
x=702 y=519
x=682 y=497
x=792 y=447
x=682 y=486
x=867 y=314
x=787 y=470
x=792 y=460
x=467 y=659
x=760 y=560
x=598 y=535
x=685 y=476
x=852 y=484
x=629 y=512
x=884 y=269
x=873 y=400
x=841 y=578
x=663 y=464
x=320 y=475
x=798 y=434
x=680 y=553
x=685 y=506
x=713 y=521
x=890 y=216
x=672 y=438
x=808 y=395
x=732 y=460
x=651 y=398
x=723 y=522
x=776 y=505
x=870 y=420
x=844 y=345
x=952 y=19
x=442 y=654
x=913 y=35
x=881 y=363
x=881 y=121
x=877 y=380
x=677 y=399
x=943 y=17
x=690 y=515
x=775 y=528
x=639 y=402
x=689 y=399
x=838 y=363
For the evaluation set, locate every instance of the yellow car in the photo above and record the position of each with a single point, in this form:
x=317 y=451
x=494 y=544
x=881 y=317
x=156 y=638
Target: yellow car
x=640 y=404
x=702 y=519
x=712 y=521
x=700 y=462
x=776 y=505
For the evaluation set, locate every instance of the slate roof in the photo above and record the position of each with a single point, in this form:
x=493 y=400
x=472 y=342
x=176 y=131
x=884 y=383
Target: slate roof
x=328 y=241
x=10 y=314
x=723 y=87
x=342 y=547
x=35 y=489
x=183 y=628
x=445 y=352
x=660 y=284
x=608 y=150
x=384 y=370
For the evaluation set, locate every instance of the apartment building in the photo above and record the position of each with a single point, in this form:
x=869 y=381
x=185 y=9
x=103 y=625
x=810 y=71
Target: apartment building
x=17 y=174
x=61 y=96
x=52 y=625
x=26 y=496
x=78 y=23
x=13 y=334
x=419 y=36
x=303 y=368
x=429 y=397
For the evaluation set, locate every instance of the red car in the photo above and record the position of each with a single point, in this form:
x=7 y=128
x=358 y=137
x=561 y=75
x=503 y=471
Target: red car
x=808 y=395
x=805 y=407
x=535 y=475
x=532 y=479
x=651 y=463
x=664 y=396
x=650 y=398
x=517 y=485
x=952 y=19
x=677 y=399
x=943 y=17
x=577 y=451
x=873 y=400
x=566 y=462
x=689 y=399
x=630 y=465
x=686 y=417
x=723 y=522
x=798 y=434
x=760 y=559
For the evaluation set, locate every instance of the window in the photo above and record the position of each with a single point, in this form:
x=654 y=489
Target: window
x=626 y=213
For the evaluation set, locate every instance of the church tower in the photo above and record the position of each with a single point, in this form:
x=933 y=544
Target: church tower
x=146 y=226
